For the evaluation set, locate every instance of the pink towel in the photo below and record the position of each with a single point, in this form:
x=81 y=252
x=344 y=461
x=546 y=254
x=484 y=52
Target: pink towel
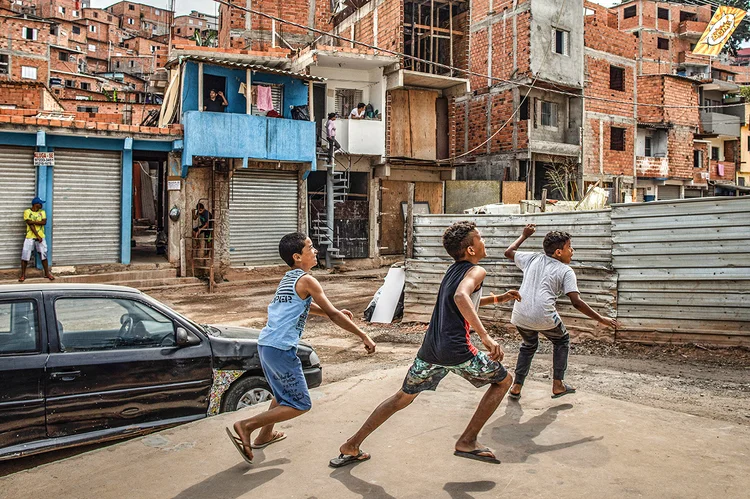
x=265 y=101
x=720 y=169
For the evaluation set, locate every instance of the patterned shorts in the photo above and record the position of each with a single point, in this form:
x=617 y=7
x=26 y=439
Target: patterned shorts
x=479 y=371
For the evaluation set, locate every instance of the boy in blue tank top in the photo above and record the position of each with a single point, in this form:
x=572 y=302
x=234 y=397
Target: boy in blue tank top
x=447 y=348
x=298 y=295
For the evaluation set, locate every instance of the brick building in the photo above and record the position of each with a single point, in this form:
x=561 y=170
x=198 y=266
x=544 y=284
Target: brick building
x=141 y=19
x=24 y=48
x=186 y=26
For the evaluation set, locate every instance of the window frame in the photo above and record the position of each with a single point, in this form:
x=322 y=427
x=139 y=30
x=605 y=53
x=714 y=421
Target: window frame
x=76 y=30
x=30 y=31
x=614 y=142
x=629 y=12
x=38 y=348
x=718 y=153
x=662 y=41
x=36 y=73
x=613 y=71
x=648 y=146
x=554 y=115
x=4 y=64
x=565 y=49
x=660 y=11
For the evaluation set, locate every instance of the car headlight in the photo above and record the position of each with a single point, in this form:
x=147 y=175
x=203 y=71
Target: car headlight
x=314 y=359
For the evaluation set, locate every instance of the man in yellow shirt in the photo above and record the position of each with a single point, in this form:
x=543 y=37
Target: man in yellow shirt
x=35 y=219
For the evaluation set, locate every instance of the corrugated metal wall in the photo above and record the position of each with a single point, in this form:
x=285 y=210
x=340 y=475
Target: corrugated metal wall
x=592 y=259
x=670 y=271
x=86 y=221
x=262 y=209
x=683 y=270
x=17 y=189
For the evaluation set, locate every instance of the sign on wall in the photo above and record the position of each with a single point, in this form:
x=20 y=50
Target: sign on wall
x=44 y=159
x=719 y=30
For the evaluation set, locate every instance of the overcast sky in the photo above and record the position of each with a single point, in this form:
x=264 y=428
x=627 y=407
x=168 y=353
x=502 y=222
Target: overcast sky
x=211 y=7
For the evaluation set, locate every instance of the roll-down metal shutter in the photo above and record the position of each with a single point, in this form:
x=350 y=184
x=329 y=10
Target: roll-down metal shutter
x=669 y=192
x=86 y=209
x=17 y=189
x=262 y=209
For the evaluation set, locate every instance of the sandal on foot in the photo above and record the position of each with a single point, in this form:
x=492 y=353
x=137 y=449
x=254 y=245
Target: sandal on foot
x=514 y=396
x=476 y=455
x=568 y=389
x=239 y=446
x=346 y=459
x=277 y=437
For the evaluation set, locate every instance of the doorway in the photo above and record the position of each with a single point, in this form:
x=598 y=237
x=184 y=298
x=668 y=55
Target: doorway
x=148 y=240
x=213 y=82
x=319 y=110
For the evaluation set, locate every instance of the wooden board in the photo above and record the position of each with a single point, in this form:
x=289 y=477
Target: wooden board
x=513 y=192
x=391 y=219
x=432 y=193
x=423 y=121
x=400 y=129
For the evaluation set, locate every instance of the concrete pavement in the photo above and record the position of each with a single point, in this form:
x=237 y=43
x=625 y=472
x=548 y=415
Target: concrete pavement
x=583 y=445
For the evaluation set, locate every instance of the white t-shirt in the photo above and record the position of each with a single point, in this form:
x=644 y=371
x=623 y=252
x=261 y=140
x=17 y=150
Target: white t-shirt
x=357 y=114
x=544 y=281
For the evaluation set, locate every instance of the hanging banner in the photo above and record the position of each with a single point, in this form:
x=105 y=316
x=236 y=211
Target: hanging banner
x=719 y=30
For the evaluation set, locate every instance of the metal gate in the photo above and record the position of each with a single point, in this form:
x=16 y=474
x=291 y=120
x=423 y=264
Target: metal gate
x=667 y=192
x=262 y=209
x=17 y=189
x=86 y=220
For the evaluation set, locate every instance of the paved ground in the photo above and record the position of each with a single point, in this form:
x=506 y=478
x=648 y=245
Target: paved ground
x=586 y=446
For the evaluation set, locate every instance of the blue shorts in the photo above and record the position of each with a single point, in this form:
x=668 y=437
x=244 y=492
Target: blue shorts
x=283 y=371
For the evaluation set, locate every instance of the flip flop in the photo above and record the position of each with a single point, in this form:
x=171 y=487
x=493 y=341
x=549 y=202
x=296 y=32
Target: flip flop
x=277 y=437
x=239 y=446
x=514 y=396
x=568 y=389
x=475 y=454
x=346 y=459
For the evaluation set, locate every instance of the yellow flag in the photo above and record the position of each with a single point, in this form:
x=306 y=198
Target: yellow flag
x=719 y=30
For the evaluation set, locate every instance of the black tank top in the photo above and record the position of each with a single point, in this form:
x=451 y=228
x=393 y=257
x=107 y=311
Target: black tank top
x=447 y=341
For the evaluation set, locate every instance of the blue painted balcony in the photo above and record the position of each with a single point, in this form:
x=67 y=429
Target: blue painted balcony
x=257 y=138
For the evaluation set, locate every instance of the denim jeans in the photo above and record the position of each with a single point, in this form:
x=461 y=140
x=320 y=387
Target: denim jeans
x=560 y=340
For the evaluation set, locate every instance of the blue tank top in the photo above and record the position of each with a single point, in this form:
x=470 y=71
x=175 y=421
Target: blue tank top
x=287 y=314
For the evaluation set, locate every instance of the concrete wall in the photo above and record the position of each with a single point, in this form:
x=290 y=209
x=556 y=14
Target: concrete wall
x=544 y=61
x=461 y=195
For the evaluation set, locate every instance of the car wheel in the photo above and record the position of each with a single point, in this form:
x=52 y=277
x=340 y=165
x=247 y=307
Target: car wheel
x=246 y=392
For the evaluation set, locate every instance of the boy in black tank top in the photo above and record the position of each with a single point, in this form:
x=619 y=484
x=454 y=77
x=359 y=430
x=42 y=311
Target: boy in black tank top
x=447 y=348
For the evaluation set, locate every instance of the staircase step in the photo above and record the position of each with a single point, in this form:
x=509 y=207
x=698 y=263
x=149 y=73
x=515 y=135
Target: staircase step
x=113 y=277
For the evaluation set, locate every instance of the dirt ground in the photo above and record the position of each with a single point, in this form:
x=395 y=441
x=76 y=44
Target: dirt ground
x=693 y=379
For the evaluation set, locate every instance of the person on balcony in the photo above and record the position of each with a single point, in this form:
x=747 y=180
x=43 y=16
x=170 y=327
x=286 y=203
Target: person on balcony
x=216 y=102
x=359 y=113
x=331 y=136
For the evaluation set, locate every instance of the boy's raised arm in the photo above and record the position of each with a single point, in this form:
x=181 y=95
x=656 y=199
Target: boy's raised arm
x=470 y=283
x=528 y=231
x=311 y=286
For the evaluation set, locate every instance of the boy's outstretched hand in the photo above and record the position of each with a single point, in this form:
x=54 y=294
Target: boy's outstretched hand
x=529 y=230
x=609 y=322
x=513 y=294
x=493 y=347
x=369 y=344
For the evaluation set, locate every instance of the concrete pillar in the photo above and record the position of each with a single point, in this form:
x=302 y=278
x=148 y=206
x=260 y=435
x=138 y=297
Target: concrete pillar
x=329 y=216
x=374 y=222
x=126 y=197
x=175 y=199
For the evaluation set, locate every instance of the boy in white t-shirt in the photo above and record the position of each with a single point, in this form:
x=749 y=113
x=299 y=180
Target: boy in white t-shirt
x=546 y=276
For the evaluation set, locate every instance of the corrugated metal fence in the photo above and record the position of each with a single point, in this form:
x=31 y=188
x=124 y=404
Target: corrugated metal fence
x=676 y=271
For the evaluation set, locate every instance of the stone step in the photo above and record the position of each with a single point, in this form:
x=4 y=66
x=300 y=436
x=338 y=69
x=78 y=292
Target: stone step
x=114 y=277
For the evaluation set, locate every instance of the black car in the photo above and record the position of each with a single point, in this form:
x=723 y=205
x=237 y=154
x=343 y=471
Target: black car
x=81 y=363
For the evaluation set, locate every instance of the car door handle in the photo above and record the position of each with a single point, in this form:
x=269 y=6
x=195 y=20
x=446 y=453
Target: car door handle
x=66 y=376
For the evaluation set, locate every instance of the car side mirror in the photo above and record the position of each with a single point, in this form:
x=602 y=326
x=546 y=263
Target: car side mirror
x=185 y=338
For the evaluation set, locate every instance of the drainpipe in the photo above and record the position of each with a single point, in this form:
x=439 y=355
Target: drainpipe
x=329 y=216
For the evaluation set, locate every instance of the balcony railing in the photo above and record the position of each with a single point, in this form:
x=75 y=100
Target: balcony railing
x=228 y=135
x=720 y=124
x=361 y=137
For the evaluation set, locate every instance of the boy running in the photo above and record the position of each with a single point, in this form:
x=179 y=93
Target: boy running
x=546 y=276
x=447 y=348
x=298 y=295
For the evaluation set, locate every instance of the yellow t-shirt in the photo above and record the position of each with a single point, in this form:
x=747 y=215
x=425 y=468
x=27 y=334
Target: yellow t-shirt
x=35 y=216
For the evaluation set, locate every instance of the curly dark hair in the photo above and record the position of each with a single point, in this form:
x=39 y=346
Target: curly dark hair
x=554 y=241
x=291 y=244
x=457 y=238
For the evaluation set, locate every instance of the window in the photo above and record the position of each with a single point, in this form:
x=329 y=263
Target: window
x=96 y=15
x=61 y=10
x=697 y=159
x=85 y=85
x=92 y=48
x=346 y=100
x=200 y=23
x=616 y=78
x=524 y=111
x=748 y=143
x=662 y=13
x=630 y=12
x=662 y=43
x=54 y=30
x=19 y=332
x=75 y=13
x=130 y=21
x=648 y=152
x=70 y=84
x=109 y=18
x=28 y=72
x=715 y=153
x=190 y=21
x=131 y=7
x=617 y=139
x=117 y=64
x=741 y=181
x=178 y=31
x=549 y=114
x=30 y=33
x=4 y=64
x=92 y=28
x=110 y=323
x=63 y=56
x=76 y=30
x=132 y=64
x=157 y=12
x=688 y=16
x=153 y=48
x=561 y=41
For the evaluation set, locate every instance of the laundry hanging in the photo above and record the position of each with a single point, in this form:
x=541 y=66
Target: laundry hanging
x=265 y=99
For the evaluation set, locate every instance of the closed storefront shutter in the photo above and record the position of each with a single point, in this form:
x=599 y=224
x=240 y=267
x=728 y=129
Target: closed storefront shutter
x=669 y=192
x=86 y=221
x=17 y=189
x=262 y=209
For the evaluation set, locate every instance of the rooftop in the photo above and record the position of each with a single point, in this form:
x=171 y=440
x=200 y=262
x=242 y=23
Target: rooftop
x=232 y=63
